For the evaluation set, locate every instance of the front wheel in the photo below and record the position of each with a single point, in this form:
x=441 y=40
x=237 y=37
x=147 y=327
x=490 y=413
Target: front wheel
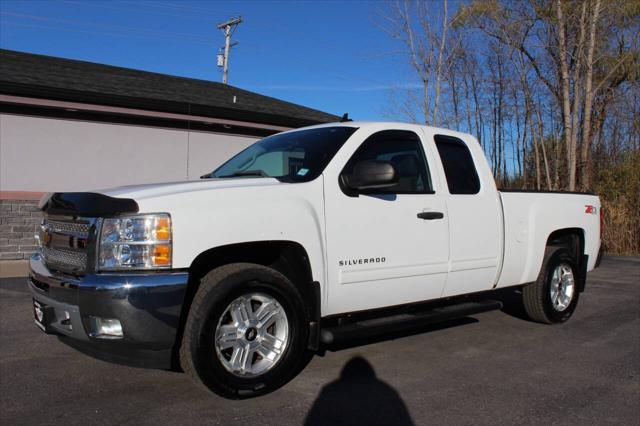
x=553 y=297
x=245 y=334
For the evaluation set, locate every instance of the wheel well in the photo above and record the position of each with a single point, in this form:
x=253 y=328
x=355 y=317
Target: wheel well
x=573 y=239
x=287 y=257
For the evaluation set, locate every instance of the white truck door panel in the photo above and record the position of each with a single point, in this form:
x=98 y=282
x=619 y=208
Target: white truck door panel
x=379 y=252
x=475 y=216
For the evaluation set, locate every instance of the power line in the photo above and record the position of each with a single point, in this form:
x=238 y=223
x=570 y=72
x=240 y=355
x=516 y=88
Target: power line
x=98 y=33
x=118 y=28
x=168 y=5
x=113 y=6
x=315 y=66
x=280 y=28
x=301 y=60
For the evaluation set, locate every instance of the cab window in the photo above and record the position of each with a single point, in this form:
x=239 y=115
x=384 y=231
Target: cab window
x=462 y=177
x=403 y=149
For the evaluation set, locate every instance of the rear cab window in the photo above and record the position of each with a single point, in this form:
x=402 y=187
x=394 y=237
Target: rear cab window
x=459 y=169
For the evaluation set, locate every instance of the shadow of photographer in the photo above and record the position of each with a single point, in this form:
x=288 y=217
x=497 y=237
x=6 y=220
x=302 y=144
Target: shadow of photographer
x=358 y=397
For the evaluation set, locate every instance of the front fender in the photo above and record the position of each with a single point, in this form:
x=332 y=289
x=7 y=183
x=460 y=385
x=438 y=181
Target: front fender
x=203 y=220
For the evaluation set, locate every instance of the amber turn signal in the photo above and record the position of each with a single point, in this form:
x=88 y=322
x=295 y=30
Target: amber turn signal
x=163 y=229
x=162 y=255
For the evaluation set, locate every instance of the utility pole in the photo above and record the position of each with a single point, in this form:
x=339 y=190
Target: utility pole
x=228 y=28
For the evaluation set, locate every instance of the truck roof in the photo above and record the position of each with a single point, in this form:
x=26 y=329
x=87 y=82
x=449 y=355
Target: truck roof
x=389 y=124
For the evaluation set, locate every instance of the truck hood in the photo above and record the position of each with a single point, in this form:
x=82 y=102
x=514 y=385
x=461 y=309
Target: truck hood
x=142 y=192
x=125 y=199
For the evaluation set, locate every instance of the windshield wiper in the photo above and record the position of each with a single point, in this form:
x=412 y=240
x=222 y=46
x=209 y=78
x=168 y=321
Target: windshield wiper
x=259 y=173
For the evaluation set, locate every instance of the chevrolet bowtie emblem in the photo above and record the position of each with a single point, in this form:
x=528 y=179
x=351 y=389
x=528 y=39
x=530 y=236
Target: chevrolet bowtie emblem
x=46 y=236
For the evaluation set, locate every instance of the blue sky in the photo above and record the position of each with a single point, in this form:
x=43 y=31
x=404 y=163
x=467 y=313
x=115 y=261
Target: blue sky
x=326 y=55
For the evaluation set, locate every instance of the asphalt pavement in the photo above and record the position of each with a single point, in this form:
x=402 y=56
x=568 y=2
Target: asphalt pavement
x=492 y=368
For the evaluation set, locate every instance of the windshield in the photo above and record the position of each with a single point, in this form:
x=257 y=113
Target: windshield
x=291 y=157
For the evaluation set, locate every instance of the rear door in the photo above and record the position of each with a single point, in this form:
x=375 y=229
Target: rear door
x=475 y=215
x=379 y=251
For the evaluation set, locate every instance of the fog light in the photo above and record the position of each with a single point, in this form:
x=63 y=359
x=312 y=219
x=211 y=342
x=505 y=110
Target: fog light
x=66 y=321
x=105 y=328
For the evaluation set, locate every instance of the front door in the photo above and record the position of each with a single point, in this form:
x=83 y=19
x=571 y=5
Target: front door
x=387 y=246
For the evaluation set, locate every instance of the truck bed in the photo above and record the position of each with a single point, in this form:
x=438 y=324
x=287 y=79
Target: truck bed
x=530 y=217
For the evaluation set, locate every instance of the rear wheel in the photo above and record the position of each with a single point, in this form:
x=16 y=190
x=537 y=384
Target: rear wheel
x=553 y=297
x=246 y=331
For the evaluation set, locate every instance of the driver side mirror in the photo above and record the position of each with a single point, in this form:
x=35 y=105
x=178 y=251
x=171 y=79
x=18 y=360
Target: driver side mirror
x=371 y=174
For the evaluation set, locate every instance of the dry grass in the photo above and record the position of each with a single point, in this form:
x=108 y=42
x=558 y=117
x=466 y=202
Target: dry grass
x=618 y=184
x=621 y=233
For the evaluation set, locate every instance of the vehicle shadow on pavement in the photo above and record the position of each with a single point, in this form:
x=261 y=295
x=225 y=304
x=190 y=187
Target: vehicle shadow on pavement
x=511 y=302
x=358 y=397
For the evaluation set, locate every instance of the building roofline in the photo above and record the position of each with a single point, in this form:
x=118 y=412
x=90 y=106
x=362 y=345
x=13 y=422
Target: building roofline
x=39 y=76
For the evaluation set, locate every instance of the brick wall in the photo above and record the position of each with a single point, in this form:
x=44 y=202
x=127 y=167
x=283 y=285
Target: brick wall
x=19 y=220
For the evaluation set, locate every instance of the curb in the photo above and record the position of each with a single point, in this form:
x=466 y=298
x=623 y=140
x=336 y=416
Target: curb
x=14 y=268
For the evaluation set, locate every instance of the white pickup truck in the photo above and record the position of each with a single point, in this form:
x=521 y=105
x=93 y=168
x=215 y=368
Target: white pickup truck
x=304 y=240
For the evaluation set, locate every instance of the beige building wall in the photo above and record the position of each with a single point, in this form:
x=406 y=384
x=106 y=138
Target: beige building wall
x=43 y=154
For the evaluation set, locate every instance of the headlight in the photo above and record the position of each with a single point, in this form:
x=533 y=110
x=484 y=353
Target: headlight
x=135 y=242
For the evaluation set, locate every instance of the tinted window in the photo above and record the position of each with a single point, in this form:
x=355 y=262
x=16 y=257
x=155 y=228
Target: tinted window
x=403 y=149
x=298 y=156
x=459 y=169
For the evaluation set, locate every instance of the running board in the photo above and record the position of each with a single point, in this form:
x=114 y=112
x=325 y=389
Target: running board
x=391 y=324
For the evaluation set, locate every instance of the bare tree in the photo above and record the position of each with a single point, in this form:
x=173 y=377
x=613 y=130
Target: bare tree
x=430 y=50
x=569 y=113
x=438 y=70
x=551 y=89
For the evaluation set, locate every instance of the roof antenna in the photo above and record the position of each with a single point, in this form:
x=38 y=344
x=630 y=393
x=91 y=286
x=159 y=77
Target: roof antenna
x=345 y=118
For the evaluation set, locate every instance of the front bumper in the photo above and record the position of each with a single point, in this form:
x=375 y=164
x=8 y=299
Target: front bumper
x=148 y=305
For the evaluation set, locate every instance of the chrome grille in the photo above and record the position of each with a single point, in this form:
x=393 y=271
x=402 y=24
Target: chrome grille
x=78 y=229
x=65 y=260
x=64 y=245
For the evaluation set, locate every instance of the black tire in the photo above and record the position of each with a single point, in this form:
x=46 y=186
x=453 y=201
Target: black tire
x=537 y=295
x=217 y=290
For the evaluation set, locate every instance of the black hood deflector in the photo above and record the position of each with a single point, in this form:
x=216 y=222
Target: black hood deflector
x=88 y=204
